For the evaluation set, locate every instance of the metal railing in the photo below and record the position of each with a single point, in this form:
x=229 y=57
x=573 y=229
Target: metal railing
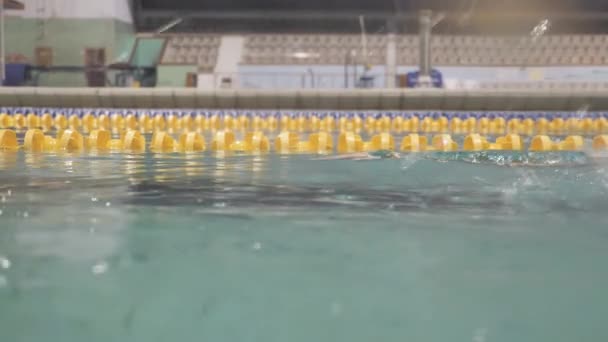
x=147 y=77
x=293 y=80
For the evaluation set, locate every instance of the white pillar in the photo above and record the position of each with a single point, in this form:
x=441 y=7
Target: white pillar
x=425 y=42
x=2 y=50
x=391 y=60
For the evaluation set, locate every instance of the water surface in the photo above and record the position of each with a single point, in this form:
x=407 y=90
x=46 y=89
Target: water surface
x=178 y=247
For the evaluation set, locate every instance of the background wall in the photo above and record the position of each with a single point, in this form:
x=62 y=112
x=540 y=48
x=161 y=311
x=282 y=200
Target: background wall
x=69 y=27
x=75 y=9
x=173 y=75
x=147 y=51
x=303 y=76
x=332 y=76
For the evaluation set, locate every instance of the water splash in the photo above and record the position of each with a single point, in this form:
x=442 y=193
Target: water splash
x=540 y=29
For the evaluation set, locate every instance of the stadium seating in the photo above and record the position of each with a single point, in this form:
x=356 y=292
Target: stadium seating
x=566 y=50
x=544 y=85
x=198 y=50
x=562 y=50
x=337 y=49
x=281 y=49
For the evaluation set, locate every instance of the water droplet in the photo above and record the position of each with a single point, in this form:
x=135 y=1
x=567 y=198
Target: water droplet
x=257 y=246
x=100 y=268
x=93 y=199
x=26 y=214
x=0 y=212
x=336 y=309
x=108 y=204
x=3 y=199
x=220 y=205
x=94 y=220
x=9 y=193
x=5 y=263
x=3 y=281
x=199 y=200
x=479 y=335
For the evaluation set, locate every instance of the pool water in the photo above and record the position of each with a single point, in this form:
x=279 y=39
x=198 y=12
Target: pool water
x=179 y=247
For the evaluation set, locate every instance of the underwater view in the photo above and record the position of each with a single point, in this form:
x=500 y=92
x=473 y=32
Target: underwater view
x=436 y=246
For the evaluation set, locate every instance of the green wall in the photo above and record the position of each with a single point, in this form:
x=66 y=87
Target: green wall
x=147 y=51
x=68 y=38
x=174 y=75
x=124 y=40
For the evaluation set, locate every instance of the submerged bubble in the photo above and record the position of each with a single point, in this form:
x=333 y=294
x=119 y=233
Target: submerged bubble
x=5 y=263
x=335 y=309
x=99 y=268
x=408 y=162
x=500 y=160
x=257 y=246
x=479 y=335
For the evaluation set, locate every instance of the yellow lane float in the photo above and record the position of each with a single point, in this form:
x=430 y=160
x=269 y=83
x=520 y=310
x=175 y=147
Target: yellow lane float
x=191 y=142
x=414 y=143
x=600 y=142
x=222 y=141
x=8 y=140
x=162 y=142
x=286 y=142
x=133 y=141
x=349 y=142
x=34 y=140
x=70 y=141
x=444 y=142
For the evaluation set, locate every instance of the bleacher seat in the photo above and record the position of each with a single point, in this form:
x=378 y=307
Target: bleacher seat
x=445 y=49
x=200 y=50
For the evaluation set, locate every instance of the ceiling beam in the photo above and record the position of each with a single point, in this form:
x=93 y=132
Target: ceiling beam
x=13 y=5
x=269 y=15
x=349 y=14
x=136 y=8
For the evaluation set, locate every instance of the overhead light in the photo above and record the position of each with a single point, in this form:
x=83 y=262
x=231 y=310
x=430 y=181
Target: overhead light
x=13 y=4
x=170 y=25
x=304 y=55
x=541 y=28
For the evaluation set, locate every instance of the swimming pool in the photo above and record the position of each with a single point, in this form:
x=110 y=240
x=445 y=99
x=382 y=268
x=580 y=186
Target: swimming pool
x=264 y=246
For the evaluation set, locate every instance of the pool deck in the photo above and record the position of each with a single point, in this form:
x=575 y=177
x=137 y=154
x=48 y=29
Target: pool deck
x=309 y=99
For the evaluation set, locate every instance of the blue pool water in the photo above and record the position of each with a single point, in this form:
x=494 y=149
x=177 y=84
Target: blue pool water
x=191 y=247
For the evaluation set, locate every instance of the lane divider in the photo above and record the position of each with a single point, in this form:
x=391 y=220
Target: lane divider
x=600 y=142
x=191 y=142
x=8 y=140
x=484 y=123
x=286 y=142
x=34 y=141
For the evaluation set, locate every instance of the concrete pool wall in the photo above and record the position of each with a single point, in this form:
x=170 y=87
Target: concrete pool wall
x=310 y=99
